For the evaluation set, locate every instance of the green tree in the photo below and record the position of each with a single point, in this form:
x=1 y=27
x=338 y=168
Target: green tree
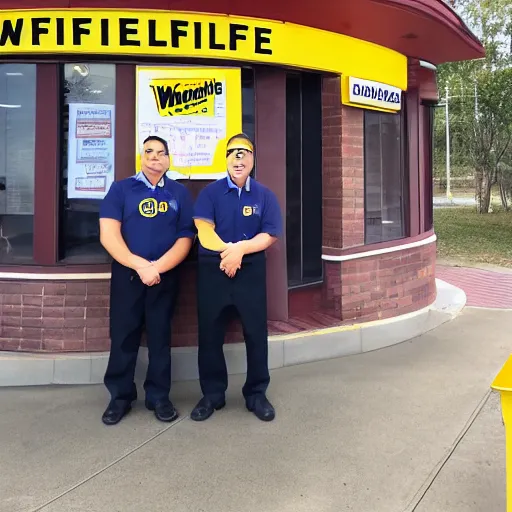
x=489 y=133
x=480 y=99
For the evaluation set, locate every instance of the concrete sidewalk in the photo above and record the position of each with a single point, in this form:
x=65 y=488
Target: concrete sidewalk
x=410 y=427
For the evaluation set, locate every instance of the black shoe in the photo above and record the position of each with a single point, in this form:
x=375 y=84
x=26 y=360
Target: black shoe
x=205 y=408
x=115 y=413
x=262 y=408
x=164 y=410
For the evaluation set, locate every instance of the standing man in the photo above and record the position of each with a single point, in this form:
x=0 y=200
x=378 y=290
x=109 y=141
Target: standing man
x=246 y=216
x=146 y=225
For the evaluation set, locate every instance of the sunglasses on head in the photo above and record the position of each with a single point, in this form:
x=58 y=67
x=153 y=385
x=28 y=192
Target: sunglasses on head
x=239 y=152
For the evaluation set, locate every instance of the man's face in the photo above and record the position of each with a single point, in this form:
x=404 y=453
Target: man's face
x=154 y=158
x=240 y=163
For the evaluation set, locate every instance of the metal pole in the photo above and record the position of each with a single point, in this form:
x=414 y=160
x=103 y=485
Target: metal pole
x=448 y=188
x=476 y=101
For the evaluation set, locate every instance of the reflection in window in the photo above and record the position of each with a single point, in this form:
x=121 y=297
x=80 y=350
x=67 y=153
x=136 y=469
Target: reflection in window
x=17 y=159
x=87 y=157
x=428 y=141
x=248 y=115
x=385 y=183
x=304 y=178
x=248 y=124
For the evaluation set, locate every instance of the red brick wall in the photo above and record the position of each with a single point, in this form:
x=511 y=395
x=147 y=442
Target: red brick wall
x=388 y=285
x=54 y=316
x=73 y=316
x=353 y=176
x=371 y=288
x=332 y=289
x=332 y=179
x=368 y=288
x=343 y=169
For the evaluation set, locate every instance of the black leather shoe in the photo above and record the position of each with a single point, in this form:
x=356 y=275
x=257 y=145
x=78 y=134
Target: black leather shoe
x=205 y=408
x=115 y=413
x=164 y=410
x=262 y=408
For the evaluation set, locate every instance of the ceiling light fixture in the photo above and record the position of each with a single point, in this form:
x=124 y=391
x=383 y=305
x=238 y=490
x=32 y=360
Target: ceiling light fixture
x=81 y=69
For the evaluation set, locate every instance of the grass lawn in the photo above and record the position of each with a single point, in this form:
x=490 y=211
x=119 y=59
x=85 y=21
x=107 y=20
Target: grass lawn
x=465 y=236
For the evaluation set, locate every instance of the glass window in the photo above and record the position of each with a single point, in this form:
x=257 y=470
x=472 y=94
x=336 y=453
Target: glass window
x=293 y=180
x=304 y=178
x=17 y=161
x=88 y=94
x=428 y=119
x=248 y=119
x=385 y=181
x=248 y=107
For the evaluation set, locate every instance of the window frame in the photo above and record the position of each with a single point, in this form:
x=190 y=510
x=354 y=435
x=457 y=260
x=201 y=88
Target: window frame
x=23 y=217
x=48 y=131
x=47 y=209
x=62 y=258
x=404 y=174
x=427 y=113
x=305 y=281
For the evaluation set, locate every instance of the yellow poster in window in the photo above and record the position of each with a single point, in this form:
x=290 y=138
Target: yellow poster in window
x=176 y=97
x=196 y=110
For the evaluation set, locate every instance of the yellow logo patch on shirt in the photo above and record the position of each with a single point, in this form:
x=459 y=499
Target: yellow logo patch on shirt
x=150 y=207
x=247 y=211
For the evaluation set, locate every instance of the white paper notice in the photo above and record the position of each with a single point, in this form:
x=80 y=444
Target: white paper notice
x=90 y=150
x=193 y=135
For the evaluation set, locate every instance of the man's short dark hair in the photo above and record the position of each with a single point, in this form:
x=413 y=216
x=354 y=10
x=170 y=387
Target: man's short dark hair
x=158 y=139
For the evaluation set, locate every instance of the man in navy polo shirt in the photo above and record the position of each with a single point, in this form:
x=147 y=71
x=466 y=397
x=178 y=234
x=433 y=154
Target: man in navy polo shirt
x=246 y=216
x=146 y=225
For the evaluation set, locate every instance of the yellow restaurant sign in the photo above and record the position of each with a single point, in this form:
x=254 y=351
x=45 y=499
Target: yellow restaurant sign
x=188 y=34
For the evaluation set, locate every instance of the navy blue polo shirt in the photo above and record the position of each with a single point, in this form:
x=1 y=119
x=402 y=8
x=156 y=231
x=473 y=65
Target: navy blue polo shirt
x=238 y=213
x=152 y=217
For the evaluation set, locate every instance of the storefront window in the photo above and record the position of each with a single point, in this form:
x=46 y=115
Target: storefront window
x=428 y=200
x=88 y=94
x=385 y=182
x=248 y=121
x=17 y=161
x=304 y=178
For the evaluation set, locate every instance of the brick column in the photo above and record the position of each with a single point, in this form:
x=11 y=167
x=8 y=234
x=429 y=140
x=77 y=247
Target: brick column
x=331 y=164
x=343 y=170
x=332 y=200
x=343 y=186
x=352 y=169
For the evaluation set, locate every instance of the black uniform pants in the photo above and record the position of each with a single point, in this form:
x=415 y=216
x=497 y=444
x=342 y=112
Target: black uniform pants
x=134 y=305
x=216 y=295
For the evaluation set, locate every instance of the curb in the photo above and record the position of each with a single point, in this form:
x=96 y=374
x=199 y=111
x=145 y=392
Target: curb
x=25 y=369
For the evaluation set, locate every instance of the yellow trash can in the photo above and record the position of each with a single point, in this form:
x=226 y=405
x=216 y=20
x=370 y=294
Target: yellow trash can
x=503 y=384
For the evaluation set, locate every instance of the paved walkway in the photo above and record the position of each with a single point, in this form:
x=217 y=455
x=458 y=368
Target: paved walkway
x=408 y=428
x=484 y=288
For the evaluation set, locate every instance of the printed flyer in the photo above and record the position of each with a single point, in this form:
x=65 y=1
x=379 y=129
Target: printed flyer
x=195 y=110
x=90 y=150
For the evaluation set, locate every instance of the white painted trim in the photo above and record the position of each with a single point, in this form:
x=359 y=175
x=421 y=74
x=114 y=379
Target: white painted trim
x=377 y=252
x=428 y=65
x=23 y=369
x=106 y=275
x=55 y=277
